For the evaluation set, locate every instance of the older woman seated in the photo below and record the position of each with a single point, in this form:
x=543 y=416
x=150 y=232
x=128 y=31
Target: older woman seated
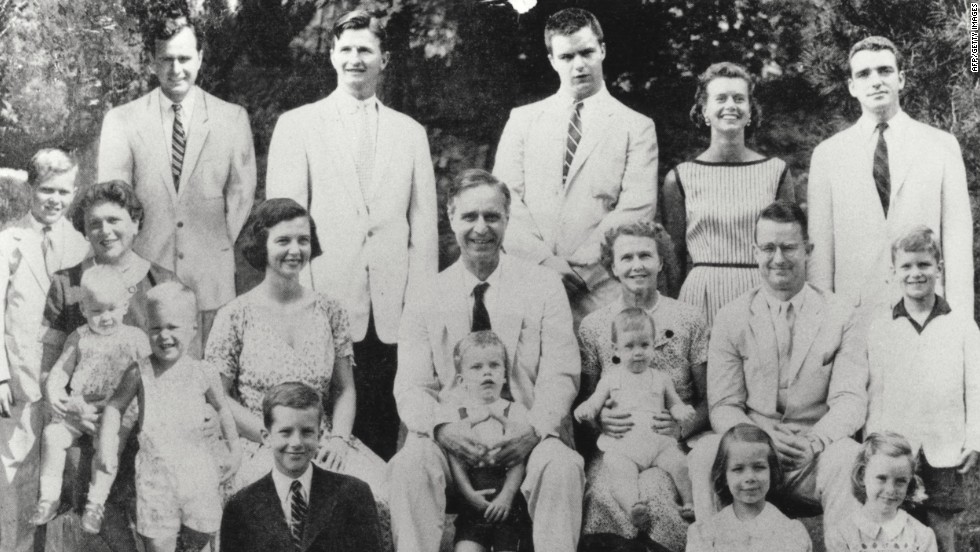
x=635 y=254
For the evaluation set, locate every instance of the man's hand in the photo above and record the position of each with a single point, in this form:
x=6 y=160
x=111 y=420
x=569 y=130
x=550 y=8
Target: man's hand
x=574 y=284
x=615 y=422
x=793 y=448
x=967 y=461
x=458 y=439
x=499 y=508
x=516 y=445
x=6 y=400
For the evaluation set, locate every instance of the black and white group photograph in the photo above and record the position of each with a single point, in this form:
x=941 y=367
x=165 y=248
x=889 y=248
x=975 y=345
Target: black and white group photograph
x=489 y=275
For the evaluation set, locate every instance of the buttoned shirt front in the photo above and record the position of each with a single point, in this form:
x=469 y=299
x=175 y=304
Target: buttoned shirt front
x=167 y=114
x=283 y=482
x=491 y=298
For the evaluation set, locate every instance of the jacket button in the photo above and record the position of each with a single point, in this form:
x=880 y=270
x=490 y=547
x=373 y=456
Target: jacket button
x=180 y=255
x=370 y=233
x=180 y=224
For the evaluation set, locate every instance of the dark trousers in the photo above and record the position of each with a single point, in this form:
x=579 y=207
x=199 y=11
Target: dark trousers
x=376 y=421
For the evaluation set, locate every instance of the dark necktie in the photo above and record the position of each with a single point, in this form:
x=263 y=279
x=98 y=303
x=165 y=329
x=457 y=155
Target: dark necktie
x=179 y=144
x=880 y=171
x=574 y=137
x=481 y=318
x=297 y=509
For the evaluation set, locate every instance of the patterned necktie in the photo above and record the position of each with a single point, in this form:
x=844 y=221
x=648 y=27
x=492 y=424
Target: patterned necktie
x=179 y=144
x=365 y=148
x=481 y=318
x=574 y=137
x=47 y=248
x=297 y=510
x=881 y=174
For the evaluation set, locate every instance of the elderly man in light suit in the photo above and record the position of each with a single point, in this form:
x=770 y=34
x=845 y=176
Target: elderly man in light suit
x=191 y=160
x=31 y=249
x=577 y=163
x=365 y=172
x=787 y=356
x=882 y=175
x=526 y=307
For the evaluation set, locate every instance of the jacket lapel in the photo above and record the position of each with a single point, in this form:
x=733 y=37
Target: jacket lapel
x=591 y=137
x=511 y=311
x=457 y=305
x=766 y=372
x=805 y=330
x=31 y=254
x=323 y=498
x=268 y=509
x=387 y=142
x=148 y=129
x=903 y=160
x=340 y=150
x=200 y=128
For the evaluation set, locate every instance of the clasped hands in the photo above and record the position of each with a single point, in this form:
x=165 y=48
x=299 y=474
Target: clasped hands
x=513 y=448
x=792 y=446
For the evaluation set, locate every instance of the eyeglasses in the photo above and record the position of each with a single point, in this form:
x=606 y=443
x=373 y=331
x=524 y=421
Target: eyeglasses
x=793 y=249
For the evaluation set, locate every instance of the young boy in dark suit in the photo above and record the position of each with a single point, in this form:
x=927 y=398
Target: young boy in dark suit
x=299 y=506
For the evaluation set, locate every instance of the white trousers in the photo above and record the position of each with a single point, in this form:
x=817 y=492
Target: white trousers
x=19 y=460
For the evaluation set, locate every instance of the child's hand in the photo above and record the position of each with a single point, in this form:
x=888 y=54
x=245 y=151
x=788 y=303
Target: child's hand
x=683 y=412
x=967 y=461
x=333 y=453
x=584 y=414
x=234 y=461
x=479 y=499
x=499 y=508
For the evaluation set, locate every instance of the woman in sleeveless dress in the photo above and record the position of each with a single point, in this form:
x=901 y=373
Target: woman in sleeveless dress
x=711 y=202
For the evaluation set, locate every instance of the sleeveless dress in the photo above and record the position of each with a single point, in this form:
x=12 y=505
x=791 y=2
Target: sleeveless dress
x=722 y=201
x=252 y=353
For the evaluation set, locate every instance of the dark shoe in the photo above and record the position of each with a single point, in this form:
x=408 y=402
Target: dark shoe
x=687 y=514
x=92 y=518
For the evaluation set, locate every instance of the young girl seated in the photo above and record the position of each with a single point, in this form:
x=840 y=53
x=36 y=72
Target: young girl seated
x=176 y=476
x=92 y=364
x=641 y=390
x=883 y=479
x=745 y=468
x=494 y=516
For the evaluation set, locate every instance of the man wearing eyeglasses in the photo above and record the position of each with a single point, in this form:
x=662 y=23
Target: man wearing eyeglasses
x=786 y=356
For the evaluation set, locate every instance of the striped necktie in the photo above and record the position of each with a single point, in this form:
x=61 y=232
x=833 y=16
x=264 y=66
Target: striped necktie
x=880 y=171
x=297 y=511
x=574 y=137
x=179 y=144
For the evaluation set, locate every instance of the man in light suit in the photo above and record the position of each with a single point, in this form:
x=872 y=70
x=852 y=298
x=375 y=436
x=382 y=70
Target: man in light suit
x=577 y=163
x=787 y=357
x=365 y=172
x=191 y=160
x=870 y=182
x=526 y=307
x=31 y=249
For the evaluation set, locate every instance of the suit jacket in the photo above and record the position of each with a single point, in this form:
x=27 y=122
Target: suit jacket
x=535 y=324
x=376 y=249
x=852 y=236
x=341 y=517
x=612 y=180
x=24 y=281
x=191 y=231
x=828 y=368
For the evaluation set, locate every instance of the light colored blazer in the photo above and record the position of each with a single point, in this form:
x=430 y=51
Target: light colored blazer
x=535 y=324
x=388 y=238
x=852 y=237
x=191 y=231
x=612 y=180
x=829 y=372
x=24 y=282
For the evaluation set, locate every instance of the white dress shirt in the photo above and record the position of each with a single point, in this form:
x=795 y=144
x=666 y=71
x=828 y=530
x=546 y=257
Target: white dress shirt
x=283 y=482
x=491 y=298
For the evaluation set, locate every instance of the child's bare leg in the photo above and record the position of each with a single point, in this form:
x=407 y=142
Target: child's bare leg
x=98 y=490
x=942 y=524
x=674 y=462
x=56 y=440
x=469 y=546
x=625 y=480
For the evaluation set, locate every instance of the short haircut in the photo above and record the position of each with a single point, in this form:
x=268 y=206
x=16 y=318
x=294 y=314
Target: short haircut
x=174 y=294
x=112 y=191
x=472 y=178
x=889 y=444
x=785 y=212
x=916 y=239
x=270 y=213
x=568 y=22
x=356 y=20
x=728 y=70
x=641 y=229
x=745 y=433
x=631 y=319
x=484 y=339
x=166 y=24
x=104 y=282
x=290 y=394
x=875 y=44
x=48 y=163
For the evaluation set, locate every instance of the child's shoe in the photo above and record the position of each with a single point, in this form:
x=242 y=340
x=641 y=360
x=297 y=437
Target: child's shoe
x=687 y=513
x=92 y=518
x=640 y=516
x=45 y=511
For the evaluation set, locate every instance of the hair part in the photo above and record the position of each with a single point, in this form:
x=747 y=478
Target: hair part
x=357 y=20
x=917 y=239
x=48 y=163
x=727 y=70
x=640 y=229
x=743 y=433
x=632 y=319
x=786 y=212
x=117 y=192
x=103 y=282
x=473 y=178
x=168 y=23
x=893 y=445
x=290 y=394
x=173 y=294
x=875 y=44
x=568 y=22
x=271 y=212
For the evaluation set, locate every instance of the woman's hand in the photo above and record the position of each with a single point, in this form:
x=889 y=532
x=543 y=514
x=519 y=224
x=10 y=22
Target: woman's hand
x=613 y=421
x=84 y=415
x=58 y=400
x=665 y=424
x=333 y=453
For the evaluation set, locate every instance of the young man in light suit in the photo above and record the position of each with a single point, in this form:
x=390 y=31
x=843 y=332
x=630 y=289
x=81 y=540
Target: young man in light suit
x=31 y=249
x=365 y=173
x=524 y=304
x=870 y=182
x=787 y=357
x=191 y=160
x=577 y=163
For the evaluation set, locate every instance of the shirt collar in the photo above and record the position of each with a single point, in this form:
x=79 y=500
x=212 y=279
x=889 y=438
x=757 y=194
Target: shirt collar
x=38 y=226
x=797 y=300
x=283 y=481
x=939 y=308
x=471 y=281
x=601 y=95
x=476 y=413
x=890 y=529
x=869 y=124
x=349 y=104
x=188 y=103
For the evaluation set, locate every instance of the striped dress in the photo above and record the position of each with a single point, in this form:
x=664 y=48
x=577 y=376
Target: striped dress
x=721 y=202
